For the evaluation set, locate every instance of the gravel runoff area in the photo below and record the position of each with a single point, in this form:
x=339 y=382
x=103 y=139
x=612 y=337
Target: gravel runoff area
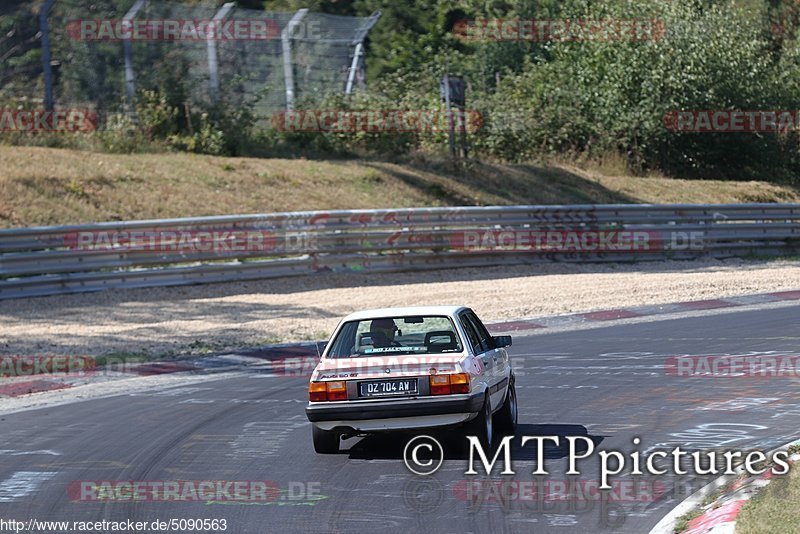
x=161 y=322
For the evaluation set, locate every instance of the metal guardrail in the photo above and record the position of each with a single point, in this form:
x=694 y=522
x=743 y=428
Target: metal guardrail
x=91 y=257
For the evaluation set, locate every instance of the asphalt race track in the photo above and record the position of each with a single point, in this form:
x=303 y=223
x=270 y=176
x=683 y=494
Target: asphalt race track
x=607 y=383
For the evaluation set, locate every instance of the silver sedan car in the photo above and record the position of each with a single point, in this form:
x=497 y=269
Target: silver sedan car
x=412 y=368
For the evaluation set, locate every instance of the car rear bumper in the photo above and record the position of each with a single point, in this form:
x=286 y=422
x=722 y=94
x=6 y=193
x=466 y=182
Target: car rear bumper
x=390 y=409
x=374 y=426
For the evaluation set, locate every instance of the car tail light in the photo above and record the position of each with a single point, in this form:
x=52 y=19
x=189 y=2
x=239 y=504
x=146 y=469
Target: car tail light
x=327 y=391
x=459 y=383
x=449 y=384
x=440 y=384
x=337 y=390
x=317 y=392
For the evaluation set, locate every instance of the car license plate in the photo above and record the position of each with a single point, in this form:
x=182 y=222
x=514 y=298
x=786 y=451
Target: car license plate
x=378 y=388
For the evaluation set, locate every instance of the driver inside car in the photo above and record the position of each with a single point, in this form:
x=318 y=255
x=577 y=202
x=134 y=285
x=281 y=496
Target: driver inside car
x=382 y=332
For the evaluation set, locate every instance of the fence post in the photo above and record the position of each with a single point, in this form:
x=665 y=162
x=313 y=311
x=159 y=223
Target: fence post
x=213 y=75
x=46 y=59
x=351 y=74
x=130 y=77
x=451 y=134
x=286 y=42
x=358 y=53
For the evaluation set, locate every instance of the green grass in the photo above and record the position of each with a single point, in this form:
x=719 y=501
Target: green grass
x=776 y=508
x=683 y=521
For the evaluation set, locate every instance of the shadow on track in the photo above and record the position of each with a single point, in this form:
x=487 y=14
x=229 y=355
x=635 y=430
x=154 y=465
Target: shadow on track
x=390 y=446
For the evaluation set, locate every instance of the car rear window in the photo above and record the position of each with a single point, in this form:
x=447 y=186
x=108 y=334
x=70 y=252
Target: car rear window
x=382 y=336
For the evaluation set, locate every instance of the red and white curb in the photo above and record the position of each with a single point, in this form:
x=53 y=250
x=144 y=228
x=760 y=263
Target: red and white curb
x=607 y=316
x=25 y=385
x=719 y=516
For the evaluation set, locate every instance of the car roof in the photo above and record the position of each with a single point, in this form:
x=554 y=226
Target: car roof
x=404 y=312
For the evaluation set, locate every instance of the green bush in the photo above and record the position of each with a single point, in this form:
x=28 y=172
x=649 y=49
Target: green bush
x=208 y=139
x=536 y=99
x=595 y=97
x=121 y=135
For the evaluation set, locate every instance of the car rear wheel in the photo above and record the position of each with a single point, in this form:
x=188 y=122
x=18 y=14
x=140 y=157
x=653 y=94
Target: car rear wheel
x=507 y=415
x=482 y=426
x=325 y=441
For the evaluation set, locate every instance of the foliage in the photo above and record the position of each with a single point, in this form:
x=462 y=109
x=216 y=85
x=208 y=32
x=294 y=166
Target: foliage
x=536 y=99
x=596 y=97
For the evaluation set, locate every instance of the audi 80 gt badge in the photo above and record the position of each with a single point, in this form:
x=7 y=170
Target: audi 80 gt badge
x=401 y=369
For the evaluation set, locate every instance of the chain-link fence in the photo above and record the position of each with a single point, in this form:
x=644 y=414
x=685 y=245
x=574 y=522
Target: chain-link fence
x=104 y=53
x=20 y=54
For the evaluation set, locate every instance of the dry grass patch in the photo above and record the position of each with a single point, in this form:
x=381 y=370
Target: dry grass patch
x=775 y=509
x=43 y=186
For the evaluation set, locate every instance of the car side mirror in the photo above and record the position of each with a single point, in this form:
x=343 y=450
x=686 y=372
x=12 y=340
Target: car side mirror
x=501 y=341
